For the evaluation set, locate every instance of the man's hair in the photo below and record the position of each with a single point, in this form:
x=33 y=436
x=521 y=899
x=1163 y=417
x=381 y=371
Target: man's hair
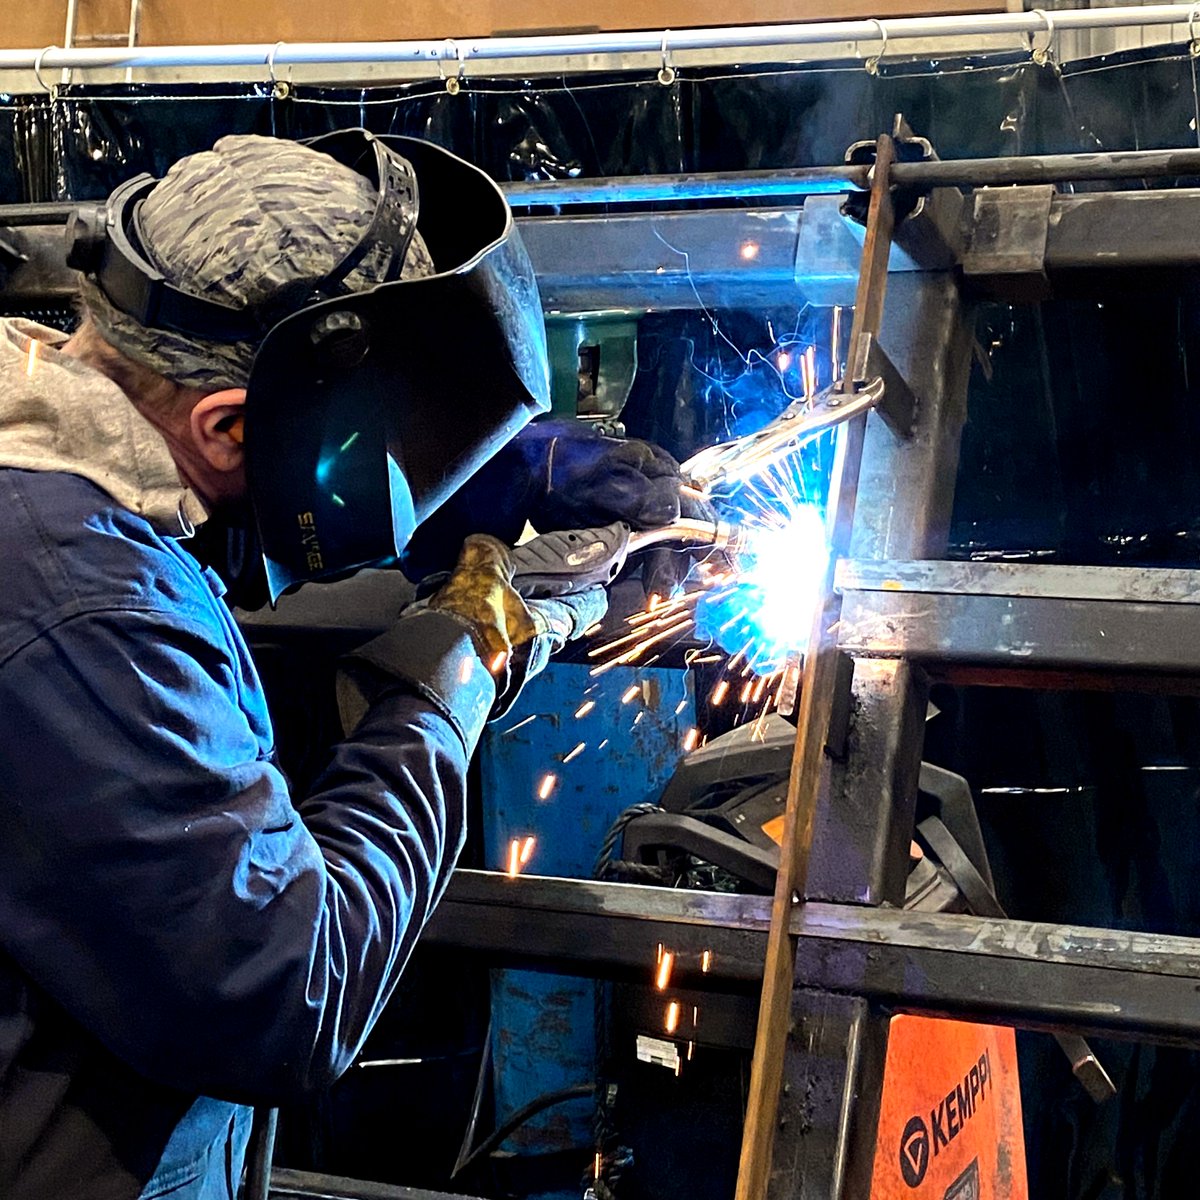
x=147 y=389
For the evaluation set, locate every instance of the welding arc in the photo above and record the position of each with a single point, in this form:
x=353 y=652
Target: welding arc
x=755 y=453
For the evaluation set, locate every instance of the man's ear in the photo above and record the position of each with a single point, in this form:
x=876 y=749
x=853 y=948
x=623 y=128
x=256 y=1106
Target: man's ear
x=216 y=424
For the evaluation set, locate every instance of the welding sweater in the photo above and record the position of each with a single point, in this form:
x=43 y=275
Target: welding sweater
x=179 y=935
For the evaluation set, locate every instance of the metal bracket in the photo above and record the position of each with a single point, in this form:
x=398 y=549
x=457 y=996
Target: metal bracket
x=838 y=736
x=898 y=407
x=1009 y=230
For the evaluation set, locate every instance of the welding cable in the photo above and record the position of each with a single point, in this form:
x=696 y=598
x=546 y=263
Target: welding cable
x=579 y=1091
x=607 y=867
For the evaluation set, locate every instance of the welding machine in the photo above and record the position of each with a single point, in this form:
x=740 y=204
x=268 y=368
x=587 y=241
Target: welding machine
x=950 y=1112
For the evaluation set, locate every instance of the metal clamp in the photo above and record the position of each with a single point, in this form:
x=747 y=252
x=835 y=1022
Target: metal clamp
x=666 y=73
x=1193 y=39
x=872 y=63
x=744 y=457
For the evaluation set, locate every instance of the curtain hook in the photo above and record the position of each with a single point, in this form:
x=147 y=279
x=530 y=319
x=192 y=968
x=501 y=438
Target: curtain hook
x=666 y=73
x=51 y=88
x=872 y=63
x=451 y=50
x=1043 y=55
x=281 y=89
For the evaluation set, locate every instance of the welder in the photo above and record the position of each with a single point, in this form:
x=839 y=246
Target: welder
x=181 y=937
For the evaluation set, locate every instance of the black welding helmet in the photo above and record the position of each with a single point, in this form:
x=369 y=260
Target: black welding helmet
x=367 y=406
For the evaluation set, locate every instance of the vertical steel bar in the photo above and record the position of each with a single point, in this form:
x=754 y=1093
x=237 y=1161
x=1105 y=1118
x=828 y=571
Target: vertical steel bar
x=816 y=702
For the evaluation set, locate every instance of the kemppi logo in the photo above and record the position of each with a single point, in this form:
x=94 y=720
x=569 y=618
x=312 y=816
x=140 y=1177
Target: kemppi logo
x=914 y=1152
x=920 y=1142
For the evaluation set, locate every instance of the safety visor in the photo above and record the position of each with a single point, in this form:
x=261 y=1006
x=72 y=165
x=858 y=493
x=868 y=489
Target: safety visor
x=366 y=411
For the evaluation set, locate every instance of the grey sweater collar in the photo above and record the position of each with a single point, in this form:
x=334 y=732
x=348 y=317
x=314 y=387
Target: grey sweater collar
x=58 y=414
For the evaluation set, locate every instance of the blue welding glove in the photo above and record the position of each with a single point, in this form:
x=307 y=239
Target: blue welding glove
x=562 y=474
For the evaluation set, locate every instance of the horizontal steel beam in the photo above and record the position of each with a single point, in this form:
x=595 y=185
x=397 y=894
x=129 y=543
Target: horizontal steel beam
x=1032 y=975
x=994 y=615
x=779 y=256
x=309 y=1185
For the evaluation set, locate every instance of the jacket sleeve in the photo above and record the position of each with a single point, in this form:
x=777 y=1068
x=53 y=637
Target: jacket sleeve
x=157 y=881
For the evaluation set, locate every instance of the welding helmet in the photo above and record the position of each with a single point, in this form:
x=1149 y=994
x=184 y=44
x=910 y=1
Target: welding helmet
x=365 y=409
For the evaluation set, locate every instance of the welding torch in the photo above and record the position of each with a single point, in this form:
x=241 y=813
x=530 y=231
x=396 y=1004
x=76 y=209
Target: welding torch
x=554 y=564
x=755 y=453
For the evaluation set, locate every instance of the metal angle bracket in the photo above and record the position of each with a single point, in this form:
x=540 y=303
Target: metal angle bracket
x=898 y=407
x=1009 y=229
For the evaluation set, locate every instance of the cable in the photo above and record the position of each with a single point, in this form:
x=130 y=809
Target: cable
x=579 y=1091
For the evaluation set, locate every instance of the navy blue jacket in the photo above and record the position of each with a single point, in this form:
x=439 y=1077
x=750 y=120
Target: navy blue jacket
x=179 y=937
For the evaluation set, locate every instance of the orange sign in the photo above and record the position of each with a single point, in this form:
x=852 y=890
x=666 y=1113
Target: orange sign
x=950 y=1116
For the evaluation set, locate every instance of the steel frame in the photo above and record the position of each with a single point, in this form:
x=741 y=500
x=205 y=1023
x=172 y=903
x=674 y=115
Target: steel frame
x=842 y=962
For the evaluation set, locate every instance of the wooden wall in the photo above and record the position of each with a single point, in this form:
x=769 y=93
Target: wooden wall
x=169 y=22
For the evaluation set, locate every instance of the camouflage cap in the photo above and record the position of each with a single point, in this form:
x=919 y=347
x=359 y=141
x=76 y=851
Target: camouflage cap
x=235 y=224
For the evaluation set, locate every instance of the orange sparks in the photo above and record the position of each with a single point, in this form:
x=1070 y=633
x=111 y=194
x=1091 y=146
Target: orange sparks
x=468 y=666
x=32 y=357
x=548 y=784
x=691 y=738
x=498 y=661
x=527 y=850
x=514 y=858
x=760 y=687
x=691 y=1047
x=654 y=601
x=602 y=744
x=585 y=708
x=597 y=1165
x=579 y=749
x=672 y=1022
x=638 y=719
x=679 y=1066
x=706 y=962
x=680 y=707
x=663 y=976
x=592 y=630
x=631 y=693
x=747 y=691
x=720 y=691
x=660 y=951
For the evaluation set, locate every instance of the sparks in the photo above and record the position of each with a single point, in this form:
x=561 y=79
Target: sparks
x=585 y=708
x=548 y=784
x=672 y=1021
x=720 y=691
x=631 y=693
x=498 y=661
x=465 y=671
x=32 y=357
x=691 y=738
x=663 y=975
x=527 y=850
x=706 y=962
x=514 y=858
x=579 y=749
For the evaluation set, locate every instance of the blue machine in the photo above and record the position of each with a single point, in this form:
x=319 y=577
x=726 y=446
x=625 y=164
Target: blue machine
x=632 y=724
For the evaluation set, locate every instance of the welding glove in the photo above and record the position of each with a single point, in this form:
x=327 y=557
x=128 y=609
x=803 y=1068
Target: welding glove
x=563 y=474
x=513 y=637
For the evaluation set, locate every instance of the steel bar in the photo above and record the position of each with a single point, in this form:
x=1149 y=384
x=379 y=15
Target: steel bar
x=817 y=697
x=613 y=927
x=1029 y=974
x=823 y=180
x=308 y=1185
x=1016 y=619
x=868 y=32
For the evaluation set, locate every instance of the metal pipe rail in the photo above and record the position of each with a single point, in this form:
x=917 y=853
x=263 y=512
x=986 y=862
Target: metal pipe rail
x=597 y=45
x=790 y=181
